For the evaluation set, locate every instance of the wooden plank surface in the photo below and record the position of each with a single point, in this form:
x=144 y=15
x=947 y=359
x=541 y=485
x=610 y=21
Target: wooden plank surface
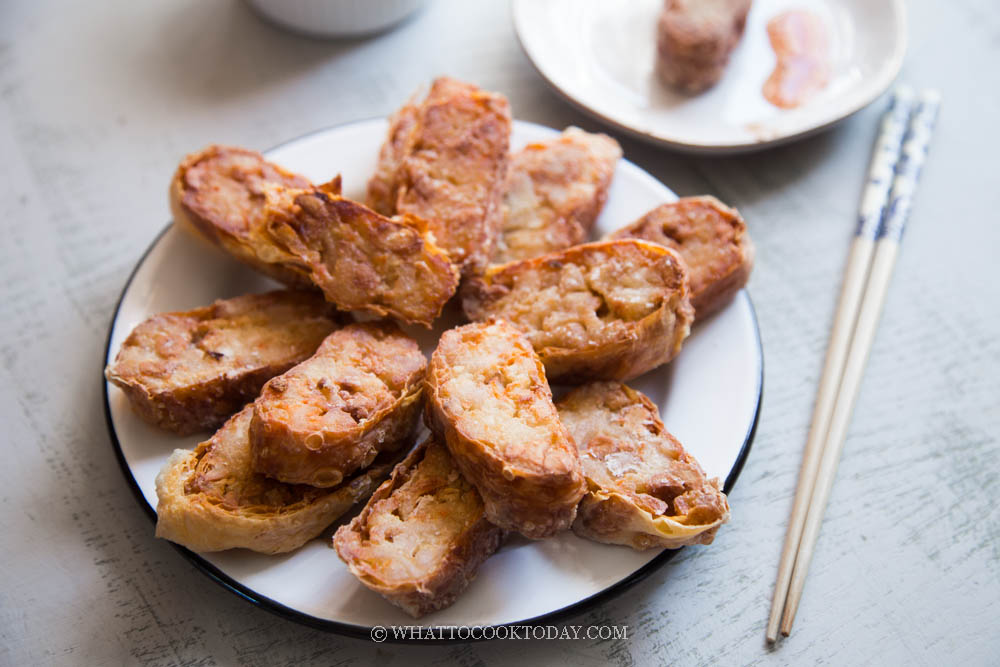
x=99 y=100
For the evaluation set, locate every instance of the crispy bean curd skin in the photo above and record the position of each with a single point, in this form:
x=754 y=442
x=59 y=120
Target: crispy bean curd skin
x=444 y=161
x=220 y=194
x=554 y=192
x=188 y=372
x=605 y=310
x=488 y=399
x=383 y=187
x=363 y=260
x=644 y=490
x=694 y=39
x=710 y=237
x=210 y=499
x=422 y=536
x=331 y=415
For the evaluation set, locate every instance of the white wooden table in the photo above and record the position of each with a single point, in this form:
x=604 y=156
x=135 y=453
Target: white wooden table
x=99 y=100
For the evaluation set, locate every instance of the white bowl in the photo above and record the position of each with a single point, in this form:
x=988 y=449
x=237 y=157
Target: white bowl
x=336 y=18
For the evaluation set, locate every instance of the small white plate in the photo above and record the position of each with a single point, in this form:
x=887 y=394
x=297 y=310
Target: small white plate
x=714 y=388
x=599 y=55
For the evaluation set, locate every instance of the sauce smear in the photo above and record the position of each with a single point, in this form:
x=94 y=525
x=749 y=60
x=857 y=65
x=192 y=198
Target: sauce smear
x=799 y=41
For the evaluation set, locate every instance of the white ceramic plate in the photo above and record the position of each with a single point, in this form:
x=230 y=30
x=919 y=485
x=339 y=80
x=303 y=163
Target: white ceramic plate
x=599 y=55
x=714 y=390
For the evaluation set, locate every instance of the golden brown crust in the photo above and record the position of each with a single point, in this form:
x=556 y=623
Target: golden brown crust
x=422 y=536
x=711 y=238
x=332 y=414
x=448 y=157
x=187 y=372
x=694 y=40
x=487 y=397
x=211 y=500
x=220 y=194
x=605 y=310
x=554 y=192
x=363 y=260
x=383 y=187
x=644 y=490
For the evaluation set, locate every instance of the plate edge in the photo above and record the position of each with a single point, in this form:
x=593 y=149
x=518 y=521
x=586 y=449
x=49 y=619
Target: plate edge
x=895 y=66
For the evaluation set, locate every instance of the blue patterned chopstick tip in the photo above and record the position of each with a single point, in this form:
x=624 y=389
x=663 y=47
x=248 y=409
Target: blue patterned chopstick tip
x=885 y=156
x=912 y=157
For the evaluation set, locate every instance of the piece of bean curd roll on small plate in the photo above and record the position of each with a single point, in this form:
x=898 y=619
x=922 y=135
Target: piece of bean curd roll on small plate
x=210 y=499
x=331 y=415
x=644 y=490
x=488 y=399
x=710 y=237
x=188 y=371
x=422 y=536
x=604 y=310
x=694 y=39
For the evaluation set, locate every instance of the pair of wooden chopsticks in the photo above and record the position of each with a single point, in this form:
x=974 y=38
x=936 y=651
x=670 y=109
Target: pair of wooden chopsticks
x=899 y=153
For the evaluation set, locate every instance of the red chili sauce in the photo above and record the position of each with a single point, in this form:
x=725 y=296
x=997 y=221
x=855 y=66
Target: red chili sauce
x=799 y=41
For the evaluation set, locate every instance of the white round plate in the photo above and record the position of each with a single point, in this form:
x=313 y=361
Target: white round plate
x=714 y=390
x=599 y=55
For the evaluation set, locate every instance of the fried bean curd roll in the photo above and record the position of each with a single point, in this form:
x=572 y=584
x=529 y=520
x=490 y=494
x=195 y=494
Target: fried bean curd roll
x=332 y=414
x=363 y=261
x=643 y=489
x=220 y=195
x=383 y=187
x=554 y=192
x=444 y=161
x=605 y=310
x=189 y=371
x=488 y=399
x=422 y=536
x=210 y=499
x=710 y=237
x=694 y=39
